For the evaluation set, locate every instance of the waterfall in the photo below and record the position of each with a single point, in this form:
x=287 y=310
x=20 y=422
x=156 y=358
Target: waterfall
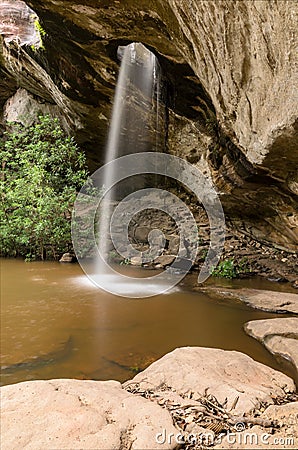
x=136 y=126
x=135 y=159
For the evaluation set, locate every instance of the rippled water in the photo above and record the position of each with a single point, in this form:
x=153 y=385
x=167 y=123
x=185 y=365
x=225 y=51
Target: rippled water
x=55 y=324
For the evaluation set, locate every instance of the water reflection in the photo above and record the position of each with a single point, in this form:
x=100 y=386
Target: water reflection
x=56 y=324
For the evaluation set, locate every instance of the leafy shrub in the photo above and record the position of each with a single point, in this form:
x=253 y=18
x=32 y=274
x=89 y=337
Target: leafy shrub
x=42 y=170
x=225 y=269
x=229 y=269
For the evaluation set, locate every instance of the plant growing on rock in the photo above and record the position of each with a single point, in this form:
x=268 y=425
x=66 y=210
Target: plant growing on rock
x=230 y=269
x=42 y=170
x=41 y=33
x=225 y=269
x=125 y=262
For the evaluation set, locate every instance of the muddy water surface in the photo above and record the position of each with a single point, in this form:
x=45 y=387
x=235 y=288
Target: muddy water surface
x=56 y=324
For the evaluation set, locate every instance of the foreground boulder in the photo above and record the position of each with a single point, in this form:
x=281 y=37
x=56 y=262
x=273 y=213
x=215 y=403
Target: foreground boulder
x=159 y=409
x=280 y=336
x=73 y=414
x=225 y=374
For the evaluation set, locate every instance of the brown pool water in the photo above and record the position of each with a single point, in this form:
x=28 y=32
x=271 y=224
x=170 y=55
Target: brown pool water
x=56 y=324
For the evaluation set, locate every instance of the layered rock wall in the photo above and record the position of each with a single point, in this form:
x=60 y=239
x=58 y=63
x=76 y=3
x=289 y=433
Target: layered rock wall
x=231 y=71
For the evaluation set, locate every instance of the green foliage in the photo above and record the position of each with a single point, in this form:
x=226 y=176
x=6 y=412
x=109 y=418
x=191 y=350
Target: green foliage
x=225 y=269
x=41 y=33
x=203 y=254
x=229 y=269
x=243 y=266
x=42 y=170
x=39 y=28
x=125 y=262
x=113 y=255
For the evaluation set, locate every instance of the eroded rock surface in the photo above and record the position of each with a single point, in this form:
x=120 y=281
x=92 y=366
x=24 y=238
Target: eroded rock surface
x=231 y=69
x=280 y=336
x=257 y=437
x=23 y=108
x=225 y=374
x=180 y=389
x=271 y=301
x=17 y=23
x=72 y=414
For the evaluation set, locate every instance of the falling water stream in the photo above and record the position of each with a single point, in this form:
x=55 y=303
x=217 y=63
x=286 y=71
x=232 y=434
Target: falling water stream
x=137 y=125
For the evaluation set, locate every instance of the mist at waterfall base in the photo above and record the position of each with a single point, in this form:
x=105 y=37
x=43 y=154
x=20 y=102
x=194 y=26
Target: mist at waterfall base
x=137 y=125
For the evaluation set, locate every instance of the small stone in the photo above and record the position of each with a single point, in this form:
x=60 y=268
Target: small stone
x=141 y=234
x=164 y=260
x=67 y=258
x=189 y=419
x=136 y=261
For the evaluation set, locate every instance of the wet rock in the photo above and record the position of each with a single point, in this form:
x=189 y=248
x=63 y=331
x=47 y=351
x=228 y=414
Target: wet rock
x=157 y=239
x=136 y=261
x=72 y=414
x=164 y=260
x=280 y=336
x=225 y=374
x=272 y=301
x=67 y=258
x=182 y=265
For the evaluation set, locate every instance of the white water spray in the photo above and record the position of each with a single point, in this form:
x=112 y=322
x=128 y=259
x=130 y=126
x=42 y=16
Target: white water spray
x=136 y=126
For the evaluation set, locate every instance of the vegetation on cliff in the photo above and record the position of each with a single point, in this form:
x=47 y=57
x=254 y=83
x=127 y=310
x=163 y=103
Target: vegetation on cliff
x=42 y=170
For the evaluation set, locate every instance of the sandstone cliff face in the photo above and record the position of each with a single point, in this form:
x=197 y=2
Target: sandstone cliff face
x=231 y=69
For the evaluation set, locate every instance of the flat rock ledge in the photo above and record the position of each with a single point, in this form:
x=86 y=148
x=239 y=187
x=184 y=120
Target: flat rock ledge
x=279 y=336
x=271 y=301
x=179 y=396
